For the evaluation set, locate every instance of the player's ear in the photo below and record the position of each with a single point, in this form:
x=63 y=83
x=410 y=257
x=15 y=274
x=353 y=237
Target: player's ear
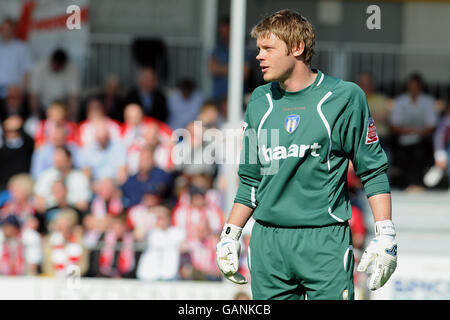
x=298 y=50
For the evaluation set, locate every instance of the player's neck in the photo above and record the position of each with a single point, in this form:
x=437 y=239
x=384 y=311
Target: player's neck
x=300 y=78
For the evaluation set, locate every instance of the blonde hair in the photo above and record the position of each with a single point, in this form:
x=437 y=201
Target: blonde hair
x=24 y=182
x=290 y=27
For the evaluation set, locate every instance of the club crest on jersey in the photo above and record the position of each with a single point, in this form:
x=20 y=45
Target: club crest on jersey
x=291 y=122
x=372 y=135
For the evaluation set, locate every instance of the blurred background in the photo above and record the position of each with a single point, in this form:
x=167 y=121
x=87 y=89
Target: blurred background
x=92 y=205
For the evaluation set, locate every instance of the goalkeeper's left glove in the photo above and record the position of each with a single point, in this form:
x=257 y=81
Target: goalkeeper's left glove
x=382 y=250
x=227 y=253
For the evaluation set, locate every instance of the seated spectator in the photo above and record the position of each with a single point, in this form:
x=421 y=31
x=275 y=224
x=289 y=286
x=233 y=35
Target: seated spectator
x=202 y=251
x=43 y=157
x=96 y=114
x=147 y=94
x=441 y=143
x=77 y=184
x=55 y=79
x=161 y=260
x=14 y=104
x=20 y=249
x=184 y=104
x=148 y=178
x=105 y=158
x=112 y=99
x=154 y=135
x=195 y=207
x=20 y=202
x=194 y=155
x=56 y=116
x=107 y=203
x=63 y=250
x=15 y=59
x=413 y=121
x=141 y=217
x=16 y=150
x=210 y=116
x=115 y=257
x=59 y=193
x=136 y=123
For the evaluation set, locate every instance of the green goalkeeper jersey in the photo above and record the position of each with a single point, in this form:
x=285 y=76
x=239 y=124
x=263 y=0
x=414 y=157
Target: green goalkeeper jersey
x=296 y=149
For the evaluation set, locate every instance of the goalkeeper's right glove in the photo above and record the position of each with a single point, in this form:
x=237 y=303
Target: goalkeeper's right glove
x=227 y=253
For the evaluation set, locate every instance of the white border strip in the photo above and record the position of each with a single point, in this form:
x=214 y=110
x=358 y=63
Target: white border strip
x=350 y=247
x=333 y=216
x=325 y=122
x=253 y=197
x=267 y=113
x=320 y=81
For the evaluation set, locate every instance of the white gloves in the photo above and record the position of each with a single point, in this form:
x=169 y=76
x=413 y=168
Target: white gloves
x=227 y=253
x=382 y=250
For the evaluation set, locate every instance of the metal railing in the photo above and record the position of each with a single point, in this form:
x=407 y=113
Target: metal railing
x=389 y=64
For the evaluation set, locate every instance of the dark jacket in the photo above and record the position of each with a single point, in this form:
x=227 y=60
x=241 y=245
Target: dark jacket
x=158 y=108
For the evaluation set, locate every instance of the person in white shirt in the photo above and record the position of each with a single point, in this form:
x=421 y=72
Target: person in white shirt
x=184 y=104
x=161 y=260
x=413 y=120
x=15 y=59
x=77 y=183
x=55 y=79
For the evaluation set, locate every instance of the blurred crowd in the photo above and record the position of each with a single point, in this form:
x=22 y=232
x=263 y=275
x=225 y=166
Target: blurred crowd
x=88 y=179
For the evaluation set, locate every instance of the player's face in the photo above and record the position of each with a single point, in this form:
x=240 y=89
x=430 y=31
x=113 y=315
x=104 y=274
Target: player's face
x=275 y=62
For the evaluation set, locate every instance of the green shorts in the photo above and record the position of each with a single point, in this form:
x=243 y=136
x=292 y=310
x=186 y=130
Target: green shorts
x=301 y=263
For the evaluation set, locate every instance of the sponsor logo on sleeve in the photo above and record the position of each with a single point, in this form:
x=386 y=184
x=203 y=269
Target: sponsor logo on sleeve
x=372 y=135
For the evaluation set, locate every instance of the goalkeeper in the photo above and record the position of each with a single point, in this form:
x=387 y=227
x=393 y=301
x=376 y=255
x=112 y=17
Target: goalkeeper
x=301 y=130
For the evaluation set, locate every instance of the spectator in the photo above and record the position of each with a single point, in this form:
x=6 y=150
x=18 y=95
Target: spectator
x=15 y=59
x=199 y=204
x=194 y=155
x=63 y=249
x=413 y=120
x=184 y=104
x=78 y=188
x=218 y=64
x=157 y=135
x=141 y=217
x=56 y=115
x=136 y=124
x=112 y=99
x=20 y=203
x=161 y=260
x=55 y=79
x=210 y=116
x=96 y=114
x=107 y=203
x=148 y=96
x=106 y=158
x=14 y=104
x=202 y=251
x=20 y=250
x=116 y=256
x=16 y=150
x=59 y=193
x=379 y=109
x=441 y=143
x=43 y=156
x=148 y=179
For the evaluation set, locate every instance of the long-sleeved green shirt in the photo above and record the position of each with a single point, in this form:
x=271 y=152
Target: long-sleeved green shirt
x=296 y=148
